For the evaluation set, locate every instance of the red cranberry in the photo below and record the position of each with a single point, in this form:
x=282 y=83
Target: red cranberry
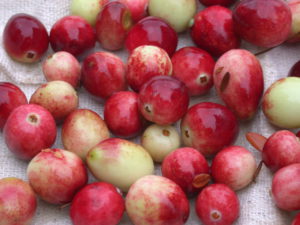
x=217 y=2
x=163 y=100
x=72 y=34
x=209 y=127
x=295 y=70
x=138 y=8
x=122 y=115
x=217 y=204
x=145 y=62
x=286 y=187
x=112 y=25
x=97 y=203
x=25 y=38
x=152 y=31
x=103 y=73
x=183 y=166
x=296 y=220
x=263 y=23
x=234 y=166
x=11 y=96
x=213 y=30
x=194 y=67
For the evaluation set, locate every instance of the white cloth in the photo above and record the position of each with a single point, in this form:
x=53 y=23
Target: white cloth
x=257 y=207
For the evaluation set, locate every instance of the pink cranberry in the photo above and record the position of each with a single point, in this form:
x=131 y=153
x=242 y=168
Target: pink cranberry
x=56 y=175
x=122 y=115
x=213 y=30
x=239 y=81
x=234 y=166
x=29 y=129
x=138 y=8
x=163 y=100
x=286 y=187
x=296 y=220
x=152 y=31
x=72 y=34
x=97 y=203
x=217 y=2
x=281 y=149
x=62 y=66
x=209 y=127
x=295 y=70
x=112 y=25
x=11 y=96
x=103 y=73
x=263 y=23
x=217 y=204
x=145 y=62
x=184 y=166
x=25 y=38
x=194 y=67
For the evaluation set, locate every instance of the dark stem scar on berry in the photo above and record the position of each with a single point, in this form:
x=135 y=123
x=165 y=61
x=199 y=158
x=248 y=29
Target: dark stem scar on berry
x=219 y=70
x=165 y=132
x=91 y=64
x=33 y=119
x=30 y=55
x=256 y=140
x=187 y=133
x=148 y=108
x=225 y=82
x=203 y=79
x=257 y=171
x=201 y=180
x=215 y=215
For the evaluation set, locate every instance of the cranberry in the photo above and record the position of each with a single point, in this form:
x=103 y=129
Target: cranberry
x=138 y=8
x=217 y=204
x=194 y=67
x=11 y=96
x=112 y=25
x=152 y=31
x=25 y=38
x=163 y=100
x=263 y=23
x=213 y=30
x=209 y=127
x=72 y=34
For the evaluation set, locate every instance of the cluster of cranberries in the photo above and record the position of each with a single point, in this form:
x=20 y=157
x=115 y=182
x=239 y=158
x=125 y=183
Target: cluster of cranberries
x=161 y=80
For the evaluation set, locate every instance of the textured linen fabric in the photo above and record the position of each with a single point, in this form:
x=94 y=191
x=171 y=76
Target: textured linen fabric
x=257 y=207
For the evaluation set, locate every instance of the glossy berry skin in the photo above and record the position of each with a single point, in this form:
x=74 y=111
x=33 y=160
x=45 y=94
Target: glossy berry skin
x=182 y=166
x=163 y=100
x=122 y=115
x=145 y=62
x=156 y=200
x=209 y=127
x=27 y=123
x=239 y=81
x=72 y=34
x=152 y=31
x=281 y=149
x=138 y=8
x=103 y=73
x=296 y=220
x=11 y=96
x=234 y=166
x=25 y=38
x=213 y=30
x=18 y=202
x=194 y=67
x=286 y=187
x=217 y=204
x=295 y=70
x=112 y=25
x=56 y=175
x=263 y=23
x=217 y=2
x=97 y=203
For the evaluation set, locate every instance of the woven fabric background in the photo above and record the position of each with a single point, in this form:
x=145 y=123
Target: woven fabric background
x=257 y=207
